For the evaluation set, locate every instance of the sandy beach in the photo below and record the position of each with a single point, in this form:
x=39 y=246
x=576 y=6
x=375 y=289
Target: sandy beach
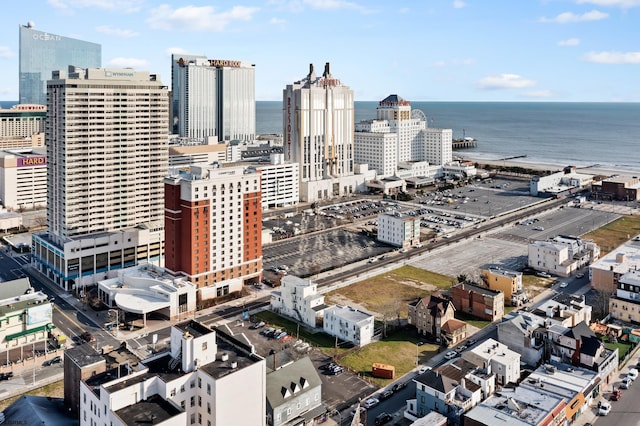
x=593 y=170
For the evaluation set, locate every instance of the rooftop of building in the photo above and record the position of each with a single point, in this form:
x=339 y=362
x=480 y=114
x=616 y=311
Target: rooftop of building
x=348 y=313
x=83 y=355
x=26 y=152
x=630 y=180
x=229 y=360
x=130 y=379
x=492 y=349
x=631 y=278
x=563 y=380
x=622 y=259
x=106 y=377
x=477 y=289
x=518 y=406
x=504 y=272
x=24 y=302
x=291 y=381
x=195 y=328
x=153 y=410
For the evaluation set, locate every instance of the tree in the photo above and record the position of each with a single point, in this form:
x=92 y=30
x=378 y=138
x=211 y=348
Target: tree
x=462 y=278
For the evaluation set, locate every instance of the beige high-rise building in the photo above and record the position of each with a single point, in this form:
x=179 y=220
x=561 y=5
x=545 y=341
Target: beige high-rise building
x=107 y=156
x=318 y=135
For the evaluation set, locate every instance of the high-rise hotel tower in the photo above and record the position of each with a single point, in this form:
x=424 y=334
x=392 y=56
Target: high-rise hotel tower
x=213 y=224
x=213 y=97
x=318 y=135
x=106 y=138
x=41 y=53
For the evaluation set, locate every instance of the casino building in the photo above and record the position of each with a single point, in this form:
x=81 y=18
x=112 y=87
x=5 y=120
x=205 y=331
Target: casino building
x=23 y=178
x=213 y=98
x=107 y=158
x=41 y=53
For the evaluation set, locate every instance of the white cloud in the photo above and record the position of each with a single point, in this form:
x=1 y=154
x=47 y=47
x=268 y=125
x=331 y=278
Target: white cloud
x=194 y=18
x=458 y=4
x=570 y=17
x=126 y=6
x=439 y=64
x=335 y=5
x=128 y=63
x=117 y=32
x=623 y=4
x=613 y=57
x=5 y=52
x=277 y=21
x=569 y=42
x=539 y=94
x=505 y=81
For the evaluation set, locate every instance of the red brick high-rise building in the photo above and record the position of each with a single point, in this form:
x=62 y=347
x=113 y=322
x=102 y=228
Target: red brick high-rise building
x=213 y=228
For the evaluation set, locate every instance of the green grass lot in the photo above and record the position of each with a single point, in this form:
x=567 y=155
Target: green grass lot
x=623 y=347
x=615 y=233
x=390 y=292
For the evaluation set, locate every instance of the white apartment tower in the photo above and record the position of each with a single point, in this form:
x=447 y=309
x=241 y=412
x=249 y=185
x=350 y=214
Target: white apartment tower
x=400 y=134
x=318 y=134
x=106 y=138
x=214 y=98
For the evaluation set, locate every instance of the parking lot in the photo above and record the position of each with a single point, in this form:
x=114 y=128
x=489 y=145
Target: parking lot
x=337 y=390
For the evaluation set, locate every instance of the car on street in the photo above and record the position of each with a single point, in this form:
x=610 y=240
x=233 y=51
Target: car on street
x=370 y=403
x=386 y=394
x=580 y=275
x=54 y=360
x=543 y=275
x=471 y=341
x=626 y=383
x=563 y=284
x=604 y=409
x=616 y=395
x=538 y=228
x=400 y=385
x=383 y=418
x=6 y=376
x=423 y=369
x=632 y=374
x=450 y=355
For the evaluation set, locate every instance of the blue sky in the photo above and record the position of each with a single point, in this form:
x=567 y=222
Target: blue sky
x=423 y=50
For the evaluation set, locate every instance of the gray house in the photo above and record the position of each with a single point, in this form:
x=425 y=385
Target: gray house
x=522 y=334
x=294 y=394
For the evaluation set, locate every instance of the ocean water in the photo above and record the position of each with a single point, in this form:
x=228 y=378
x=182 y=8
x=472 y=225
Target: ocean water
x=562 y=133
x=606 y=135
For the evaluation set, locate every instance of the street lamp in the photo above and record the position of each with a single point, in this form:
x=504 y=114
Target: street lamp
x=418 y=344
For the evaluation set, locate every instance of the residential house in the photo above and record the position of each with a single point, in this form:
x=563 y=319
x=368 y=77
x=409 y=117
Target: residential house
x=519 y=334
x=625 y=304
x=433 y=316
x=299 y=299
x=294 y=395
x=349 y=324
x=496 y=357
x=448 y=390
x=508 y=282
x=606 y=272
x=566 y=309
x=478 y=302
x=562 y=255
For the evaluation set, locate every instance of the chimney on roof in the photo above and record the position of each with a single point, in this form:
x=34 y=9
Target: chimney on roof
x=327 y=73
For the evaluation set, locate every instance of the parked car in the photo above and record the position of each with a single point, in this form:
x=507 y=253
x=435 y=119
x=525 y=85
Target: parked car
x=579 y=275
x=87 y=337
x=626 y=383
x=334 y=371
x=397 y=386
x=386 y=395
x=370 y=403
x=543 y=275
x=259 y=325
x=423 y=369
x=604 y=409
x=6 y=376
x=615 y=395
x=450 y=355
x=632 y=374
x=538 y=228
x=383 y=418
x=471 y=341
x=563 y=284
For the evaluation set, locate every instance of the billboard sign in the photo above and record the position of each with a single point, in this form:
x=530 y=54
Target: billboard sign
x=32 y=161
x=40 y=314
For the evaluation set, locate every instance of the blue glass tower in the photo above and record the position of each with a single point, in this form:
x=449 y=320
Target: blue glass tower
x=41 y=53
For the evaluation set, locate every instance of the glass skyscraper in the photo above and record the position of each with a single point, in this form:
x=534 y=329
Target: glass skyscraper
x=41 y=53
